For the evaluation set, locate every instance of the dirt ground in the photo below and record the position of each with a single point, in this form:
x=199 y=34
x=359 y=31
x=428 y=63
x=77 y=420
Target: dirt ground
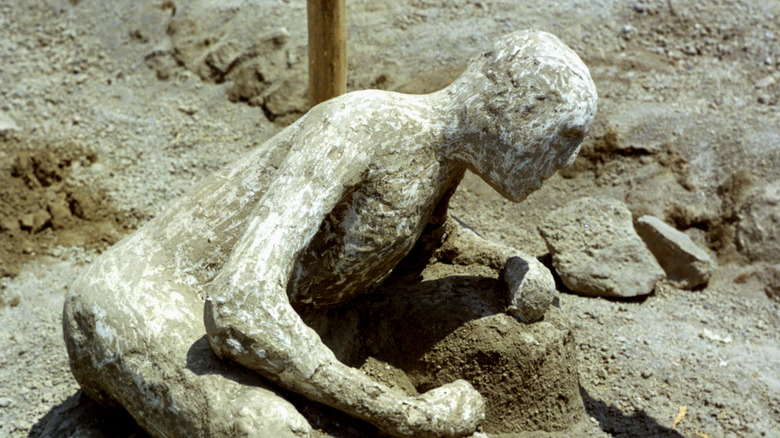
x=109 y=110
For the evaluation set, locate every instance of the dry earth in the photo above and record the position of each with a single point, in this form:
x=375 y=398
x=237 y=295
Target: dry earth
x=109 y=110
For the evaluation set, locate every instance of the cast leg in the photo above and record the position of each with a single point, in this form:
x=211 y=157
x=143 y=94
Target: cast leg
x=135 y=337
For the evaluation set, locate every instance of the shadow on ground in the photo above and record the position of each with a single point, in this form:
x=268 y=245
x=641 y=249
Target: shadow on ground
x=616 y=423
x=80 y=416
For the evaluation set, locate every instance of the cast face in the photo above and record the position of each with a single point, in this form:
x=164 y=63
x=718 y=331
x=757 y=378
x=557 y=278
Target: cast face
x=542 y=130
x=525 y=144
x=525 y=107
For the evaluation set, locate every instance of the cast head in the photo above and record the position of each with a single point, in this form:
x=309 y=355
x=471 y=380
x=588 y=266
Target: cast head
x=523 y=109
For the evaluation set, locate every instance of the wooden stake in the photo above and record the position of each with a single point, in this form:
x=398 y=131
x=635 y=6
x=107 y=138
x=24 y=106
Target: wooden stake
x=327 y=49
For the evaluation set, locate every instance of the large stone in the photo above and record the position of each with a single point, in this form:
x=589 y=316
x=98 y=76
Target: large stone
x=758 y=231
x=686 y=264
x=596 y=250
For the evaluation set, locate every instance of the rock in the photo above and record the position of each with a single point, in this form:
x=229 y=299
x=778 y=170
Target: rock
x=219 y=61
x=596 y=251
x=771 y=277
x=12 y=301
x=529 y=288
x=7 y=124
x=214 y=48
x=758 y=229
x=628 y=31
x=766 y=82
x=34 y=222
x=710 y=335
x=58 y=208
x=271 y=78
x=638 y=131
x=687 y=265
x=249 y=83
x=9 y=224
x=287 y=97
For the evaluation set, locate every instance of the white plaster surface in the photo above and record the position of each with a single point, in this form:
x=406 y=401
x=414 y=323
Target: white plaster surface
x=360 y=180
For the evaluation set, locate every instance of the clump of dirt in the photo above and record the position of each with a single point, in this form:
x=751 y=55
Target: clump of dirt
x=265 y=71
x=41 y=210
x=720 y=225
x=772 y=282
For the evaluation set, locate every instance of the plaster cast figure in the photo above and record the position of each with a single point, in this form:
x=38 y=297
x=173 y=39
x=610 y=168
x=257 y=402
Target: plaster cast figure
x=319 y=214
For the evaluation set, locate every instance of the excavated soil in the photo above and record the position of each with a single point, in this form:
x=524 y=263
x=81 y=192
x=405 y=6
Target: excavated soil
x=40 y=211
x=109 y=110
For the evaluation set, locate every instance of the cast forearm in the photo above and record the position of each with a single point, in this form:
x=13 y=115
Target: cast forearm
x=462 y=246
x=528 y=285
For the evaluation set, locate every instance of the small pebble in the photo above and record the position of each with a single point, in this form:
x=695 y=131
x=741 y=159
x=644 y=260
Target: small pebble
x=7 y=124
x=14 y=301
x=766 y=82
x=627 y=31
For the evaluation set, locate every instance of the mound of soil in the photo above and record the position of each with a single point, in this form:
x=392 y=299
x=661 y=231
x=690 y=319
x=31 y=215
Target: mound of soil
x=41 y=210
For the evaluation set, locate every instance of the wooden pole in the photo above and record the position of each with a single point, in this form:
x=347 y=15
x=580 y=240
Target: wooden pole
x=327 y=49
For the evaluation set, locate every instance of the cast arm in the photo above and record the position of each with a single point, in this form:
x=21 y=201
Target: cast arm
x=249 y=318
x=529 y=287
